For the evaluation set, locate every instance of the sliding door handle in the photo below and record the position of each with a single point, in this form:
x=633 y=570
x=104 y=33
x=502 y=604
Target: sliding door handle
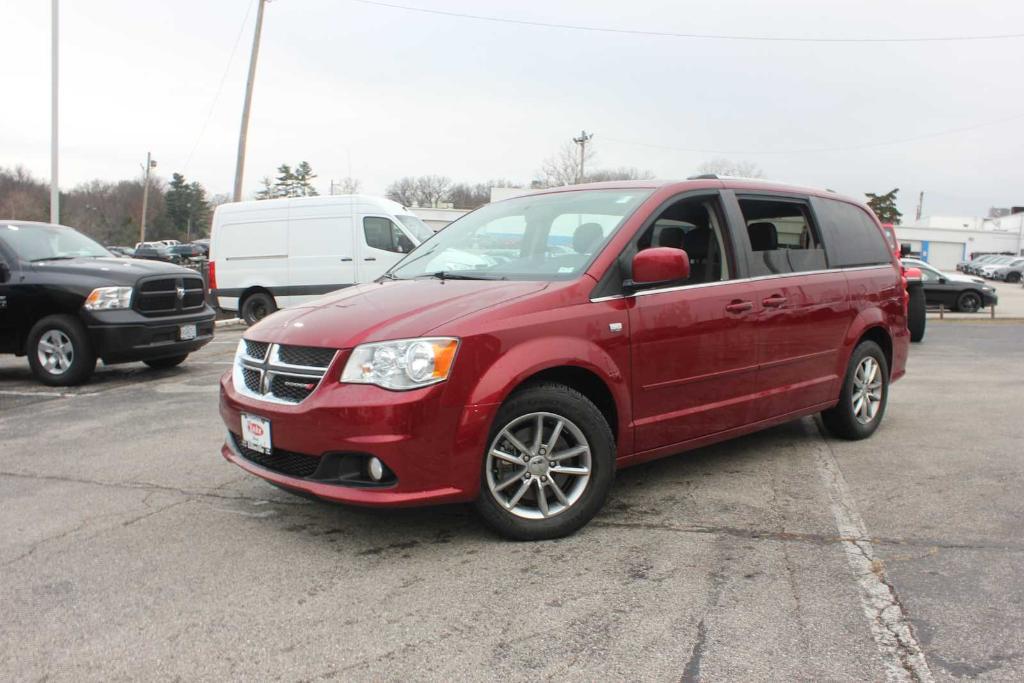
x=739 y=306
x=370 y=258
x=346 y=259
x=775 y=301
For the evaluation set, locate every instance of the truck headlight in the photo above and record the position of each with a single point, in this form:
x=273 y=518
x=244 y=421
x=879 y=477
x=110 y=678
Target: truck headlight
x=401 y=364
x=108 y=298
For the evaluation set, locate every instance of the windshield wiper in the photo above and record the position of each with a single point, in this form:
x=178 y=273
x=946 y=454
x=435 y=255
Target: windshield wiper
x=53 y=258
x=457 y=275
x=389 y=276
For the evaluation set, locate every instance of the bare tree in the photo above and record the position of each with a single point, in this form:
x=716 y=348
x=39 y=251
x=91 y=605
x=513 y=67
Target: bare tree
x=621 y=173
x=22 y=196
x=402 y=191
x=432 y=189
x=722 y=166
x=563 y=168
x=346 y=185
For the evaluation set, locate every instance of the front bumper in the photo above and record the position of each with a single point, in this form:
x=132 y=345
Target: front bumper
x=126 y=335
x=989 y=299
x=433 y=445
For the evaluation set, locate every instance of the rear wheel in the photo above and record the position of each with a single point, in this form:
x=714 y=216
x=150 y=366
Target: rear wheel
x=863 y=396
x=549 y=464
x=1013 y=277
x=968 y=302
x=256 y=307
x=59 y=351
x=168 y=362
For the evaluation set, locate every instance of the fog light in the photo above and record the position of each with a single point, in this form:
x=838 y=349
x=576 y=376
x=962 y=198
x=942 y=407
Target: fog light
x=376 y=468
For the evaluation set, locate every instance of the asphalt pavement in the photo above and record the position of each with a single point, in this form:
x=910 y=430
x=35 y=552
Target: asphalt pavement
x=131 y=550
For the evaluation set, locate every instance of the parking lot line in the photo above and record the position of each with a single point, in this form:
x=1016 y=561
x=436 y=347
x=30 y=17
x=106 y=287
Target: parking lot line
x=890 y=626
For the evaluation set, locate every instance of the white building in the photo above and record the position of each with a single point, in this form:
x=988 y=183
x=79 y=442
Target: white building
x=944 y=241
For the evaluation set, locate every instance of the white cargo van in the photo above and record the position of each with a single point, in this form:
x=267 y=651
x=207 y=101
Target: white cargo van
x=268 y=254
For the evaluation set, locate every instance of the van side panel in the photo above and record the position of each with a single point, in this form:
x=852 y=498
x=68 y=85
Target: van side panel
x=251 y=250
x=321 y=252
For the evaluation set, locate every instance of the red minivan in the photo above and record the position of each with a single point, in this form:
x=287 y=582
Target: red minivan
x=524 y=353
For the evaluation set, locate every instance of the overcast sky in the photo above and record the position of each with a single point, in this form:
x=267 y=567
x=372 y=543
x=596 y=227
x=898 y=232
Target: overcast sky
x=388 y=92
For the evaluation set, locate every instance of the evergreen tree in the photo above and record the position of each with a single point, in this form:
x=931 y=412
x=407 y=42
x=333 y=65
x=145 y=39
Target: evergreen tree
x=285 y=182
x=884 y=206
x=303 y=186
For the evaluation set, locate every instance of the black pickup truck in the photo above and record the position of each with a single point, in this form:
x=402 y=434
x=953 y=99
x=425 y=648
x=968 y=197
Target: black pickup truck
x=66 y=301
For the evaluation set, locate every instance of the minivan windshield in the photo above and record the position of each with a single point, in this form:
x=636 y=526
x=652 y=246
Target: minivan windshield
x=536 y=237
x=420 y=230
x=48 y=242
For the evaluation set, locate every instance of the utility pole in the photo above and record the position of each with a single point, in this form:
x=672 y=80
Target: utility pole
x=920 y=206
x=240 y=164
x=582 y=141
x=145 y=194
x=54 y=181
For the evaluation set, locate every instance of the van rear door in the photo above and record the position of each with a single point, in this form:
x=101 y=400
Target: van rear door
x=321 y=251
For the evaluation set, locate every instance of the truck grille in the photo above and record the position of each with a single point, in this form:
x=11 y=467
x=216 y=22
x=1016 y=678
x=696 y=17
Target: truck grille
x=170 y=295
x=284 y=462
x=280 y=373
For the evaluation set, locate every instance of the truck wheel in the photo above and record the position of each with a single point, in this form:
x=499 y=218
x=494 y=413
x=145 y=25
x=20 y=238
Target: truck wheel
x=916 y=319
x=863 y=396
x=549 y=464
x=969 y=302
x=256 y=307
x=59 y=351
x=168 y=362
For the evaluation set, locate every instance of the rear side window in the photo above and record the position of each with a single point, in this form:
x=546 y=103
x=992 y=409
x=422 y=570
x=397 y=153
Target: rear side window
x=381 y=233
x=851 y=235
x=783 y=238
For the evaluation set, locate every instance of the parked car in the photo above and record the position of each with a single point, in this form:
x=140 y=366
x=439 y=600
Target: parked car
x=155 y=251
x=988 y=270
x=975 y=266
x=203 y=244
x=124 y=252
x=954 y=291
x=1009 y=272
x=66 y=301
x=686 y=313
x=187 y=251
x=274 y=253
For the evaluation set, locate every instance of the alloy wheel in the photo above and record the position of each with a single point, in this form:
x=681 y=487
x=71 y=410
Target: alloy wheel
x=867 y=390
x=55 y=351
x=538 y=465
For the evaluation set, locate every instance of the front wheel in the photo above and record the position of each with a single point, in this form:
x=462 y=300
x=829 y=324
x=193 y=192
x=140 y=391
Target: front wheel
x=1013 y=278
x=969 y=302
x=168 y=362
x=60 y=352
x=863 y=396
x=549 y=464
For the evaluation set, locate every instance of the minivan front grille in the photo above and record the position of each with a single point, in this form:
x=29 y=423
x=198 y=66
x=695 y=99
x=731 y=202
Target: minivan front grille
x=280 y=373
x=170 y=295
x=281 y=461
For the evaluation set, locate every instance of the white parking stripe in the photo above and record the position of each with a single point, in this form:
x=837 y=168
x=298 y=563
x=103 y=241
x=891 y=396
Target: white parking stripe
x=890 y=627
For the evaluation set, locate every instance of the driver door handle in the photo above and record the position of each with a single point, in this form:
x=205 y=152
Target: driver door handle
x=370 y=258
x=346 y=258
x=775 y=301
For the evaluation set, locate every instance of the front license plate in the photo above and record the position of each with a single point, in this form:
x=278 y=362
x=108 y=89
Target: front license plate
x=187 y=332
x=256 y=433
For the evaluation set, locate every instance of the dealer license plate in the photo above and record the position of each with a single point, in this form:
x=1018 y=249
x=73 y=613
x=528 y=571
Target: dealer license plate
x=187 y=332
x=256 y=433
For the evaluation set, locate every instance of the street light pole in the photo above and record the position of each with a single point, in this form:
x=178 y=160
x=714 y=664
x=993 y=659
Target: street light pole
x=54 y=181
x=240 y=163
x=145 y=195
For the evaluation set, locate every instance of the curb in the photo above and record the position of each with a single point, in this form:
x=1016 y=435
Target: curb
x=230 y=322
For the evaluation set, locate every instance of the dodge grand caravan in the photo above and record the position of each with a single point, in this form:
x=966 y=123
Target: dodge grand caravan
x=605 y=325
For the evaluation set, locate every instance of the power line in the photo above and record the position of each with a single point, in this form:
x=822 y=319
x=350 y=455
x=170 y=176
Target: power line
x=692 y=36
x=849 y=148
x=220 y=87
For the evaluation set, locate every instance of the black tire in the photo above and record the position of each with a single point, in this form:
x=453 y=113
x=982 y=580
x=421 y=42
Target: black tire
x=968 y=302
x=256 y=307
x=1013 y=278
x=168 y=362
x=916 y=319
x=569 y=405
x=842 y=421
x=62 y=368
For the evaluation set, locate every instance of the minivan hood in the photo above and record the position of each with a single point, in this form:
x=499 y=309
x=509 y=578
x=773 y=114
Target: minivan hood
x=385 y=310
x=110 y=269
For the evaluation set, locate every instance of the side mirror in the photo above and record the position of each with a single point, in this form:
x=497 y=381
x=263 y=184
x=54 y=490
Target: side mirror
x=904 y=250
x=659 y=264
x=942 y=280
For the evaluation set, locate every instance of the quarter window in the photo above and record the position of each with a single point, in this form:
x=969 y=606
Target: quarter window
x=381 y=233
x=852 y=237
x=783 y=238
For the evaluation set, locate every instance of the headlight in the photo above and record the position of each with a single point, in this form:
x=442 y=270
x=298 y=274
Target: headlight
x=401 y=364
x=108 y=298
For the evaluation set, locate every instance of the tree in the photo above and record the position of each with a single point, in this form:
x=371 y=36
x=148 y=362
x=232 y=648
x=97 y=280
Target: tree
x=563 y=168
x=186 y=206
x=268 y=191
x=346 y=185
x=620 y=173
x=884 y=206
x=402 y=191
x=722 y=166
x=285 y=182
x=425 y=190
x=303 y=186
x=22 y=196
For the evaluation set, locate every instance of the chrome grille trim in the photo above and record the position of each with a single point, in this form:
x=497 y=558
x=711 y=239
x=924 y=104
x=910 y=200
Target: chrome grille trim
x=270 y=367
